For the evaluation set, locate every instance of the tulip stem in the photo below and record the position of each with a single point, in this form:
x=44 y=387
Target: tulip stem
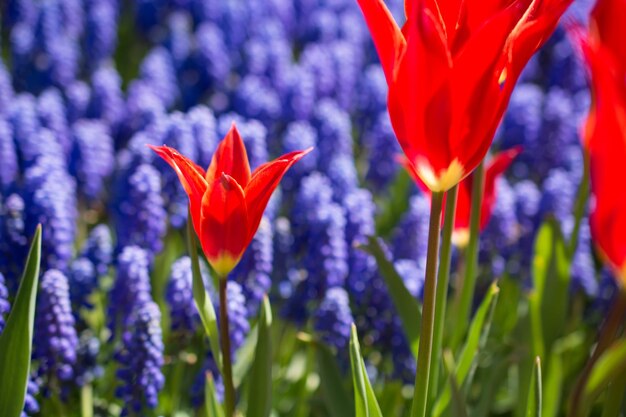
x=443 y=279
x=607 y=335
x=424 y=357
x=229 y=388
x=468 y=283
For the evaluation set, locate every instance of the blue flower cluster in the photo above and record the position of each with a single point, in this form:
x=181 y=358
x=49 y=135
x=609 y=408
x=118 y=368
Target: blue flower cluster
x=56 y=337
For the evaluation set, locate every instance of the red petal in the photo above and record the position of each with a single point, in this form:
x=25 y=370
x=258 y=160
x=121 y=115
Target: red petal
x=386 y=34
x=230 y=158
x=264 y=181
x=607 y=21
x=224 y=223
x=190 y=175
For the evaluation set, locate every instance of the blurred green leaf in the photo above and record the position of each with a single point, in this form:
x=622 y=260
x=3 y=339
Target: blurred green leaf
x=17 y=337
x=260 y=380
x=407 y=306
x=533 y=405
x=202 y=298
x=458 y=402
x=476 y=339
x=551 y=279
x=245 y=357
x=212 y=405
x=335 y=397
x=366 y=404
x=393 y=205
x=609 y=367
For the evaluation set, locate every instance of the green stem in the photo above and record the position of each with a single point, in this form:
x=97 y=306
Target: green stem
x=422 y=376
x=579 y=207
x=608 y=333
x=468 y=284
x=229 y=387
x=443 y=278
x=86 y=401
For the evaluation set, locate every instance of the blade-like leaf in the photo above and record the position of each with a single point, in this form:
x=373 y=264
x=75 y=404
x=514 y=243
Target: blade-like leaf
x=407 y=306
x=245 y=358
x=476 y=338
x=366 y=404
x=17 y=337
x=202 y=298
x=260 y=388
x=212 y=405
x=551 y=280
x=533 y=405
x=458 y=402
x=608 y=368
x=335 y=397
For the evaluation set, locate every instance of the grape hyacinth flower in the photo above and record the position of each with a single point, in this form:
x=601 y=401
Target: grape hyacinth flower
x=55 y=335
x=100 y=31
x=87 y=367
x=179 y=297
x=9 y=170
x=141 y=359
x=333 y=318
x=83 y=280
x=4 y=302
x=98 y=248
x=131 y=288
x=254 y=270
x=50 y=197
x=92 y=159
x=14 y=242
x=141 y=215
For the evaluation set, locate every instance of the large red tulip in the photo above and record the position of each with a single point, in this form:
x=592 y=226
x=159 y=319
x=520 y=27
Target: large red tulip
x=494 y=168
x=605 y=136
x=451 y=69
x=227 y=202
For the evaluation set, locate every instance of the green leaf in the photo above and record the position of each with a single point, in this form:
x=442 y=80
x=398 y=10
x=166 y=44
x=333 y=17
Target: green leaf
x=336 y=399
x=17 y=337
x=533 y=405
x=366 y=404
x=245 y=357
x=407 y=306
x=476 y=339
x=550 y=297
x=459 y=405
x=202 y=298
x=609 y=367
x=260 y=380
x=212 y=405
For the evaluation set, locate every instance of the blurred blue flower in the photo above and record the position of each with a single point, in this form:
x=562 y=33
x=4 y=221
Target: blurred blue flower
x=333 y=319
x=55 y=335
x=141 y=358
x=98 y=248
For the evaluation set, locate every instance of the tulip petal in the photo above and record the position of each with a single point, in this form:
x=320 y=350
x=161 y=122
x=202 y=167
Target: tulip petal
x=607 y=21
x=387 y=36
x=264 y=181
x=190 y=175
x=224 y=224
x=230 y=158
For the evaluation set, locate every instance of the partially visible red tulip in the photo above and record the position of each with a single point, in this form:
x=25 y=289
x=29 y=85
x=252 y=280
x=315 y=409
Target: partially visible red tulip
x=227 y=202
x=495 y=167
x=605 y=134
x=451 y=70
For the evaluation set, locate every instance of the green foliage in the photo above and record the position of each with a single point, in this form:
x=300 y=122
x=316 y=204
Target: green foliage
x=366 y=404
x=260 y=378
x=407 y=306
x=17 y=337
x=535 y=393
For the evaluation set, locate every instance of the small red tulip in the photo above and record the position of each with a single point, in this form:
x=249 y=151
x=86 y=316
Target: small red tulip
x=451 y=69
x=227 y=202
x=605 y=134
x=496 y=167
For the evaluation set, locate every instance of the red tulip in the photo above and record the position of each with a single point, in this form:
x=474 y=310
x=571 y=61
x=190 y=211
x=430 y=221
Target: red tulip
x=227 y=202
x=451 y=70
x=605 y=135
x=496 y=167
